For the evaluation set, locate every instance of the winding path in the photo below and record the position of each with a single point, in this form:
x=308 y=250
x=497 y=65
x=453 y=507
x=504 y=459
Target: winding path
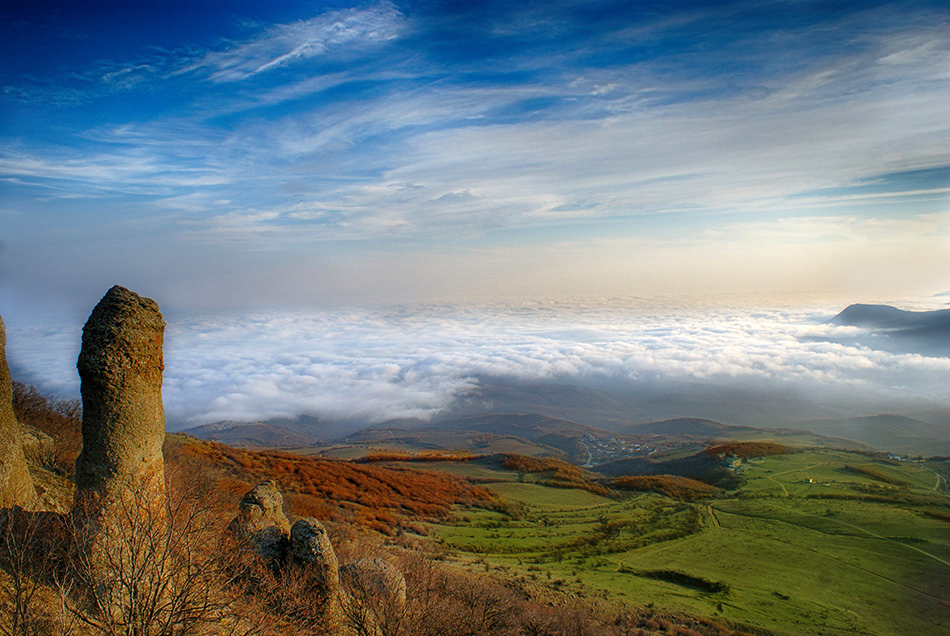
x=785 y=472
x=938 y=475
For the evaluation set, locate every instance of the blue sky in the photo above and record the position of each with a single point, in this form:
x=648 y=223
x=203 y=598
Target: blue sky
x=245 y=154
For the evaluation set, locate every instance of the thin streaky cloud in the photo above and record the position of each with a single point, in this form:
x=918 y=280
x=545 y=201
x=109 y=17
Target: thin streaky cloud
x=370 y=132
x=283 y=44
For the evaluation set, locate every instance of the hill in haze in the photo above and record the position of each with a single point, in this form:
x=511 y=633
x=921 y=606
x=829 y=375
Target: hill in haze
x=298 y=432
x=887 y=317
x=549 y=436
x=613 y=405
x=894 y=433
x=523 y=434
x=893 y=329
x=704 y=430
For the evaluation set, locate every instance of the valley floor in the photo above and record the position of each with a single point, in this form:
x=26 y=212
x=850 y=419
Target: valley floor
x=815 y=542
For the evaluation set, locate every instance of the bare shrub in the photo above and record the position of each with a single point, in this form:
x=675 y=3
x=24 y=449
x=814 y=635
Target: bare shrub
x=446 y=603
x=60 y=419
x=152 y=571
x=30 y=556
x=288 y=600
x=375 y=603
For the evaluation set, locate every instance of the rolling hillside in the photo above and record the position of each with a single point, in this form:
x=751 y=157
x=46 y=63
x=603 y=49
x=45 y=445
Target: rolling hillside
x=702 y=430
x=894 y=433
x=494 y=433
x=924 y=332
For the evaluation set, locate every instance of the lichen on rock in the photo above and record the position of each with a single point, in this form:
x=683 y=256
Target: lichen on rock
x=310 y=546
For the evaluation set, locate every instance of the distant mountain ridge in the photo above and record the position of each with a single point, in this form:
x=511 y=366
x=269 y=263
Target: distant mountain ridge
x=705 y=430
x=526 y=434
x=687 y=426
x=612 y=406
x=895 y=433
x=298 y=432
x=893 y=329
x=560 y=437
x=891 y=318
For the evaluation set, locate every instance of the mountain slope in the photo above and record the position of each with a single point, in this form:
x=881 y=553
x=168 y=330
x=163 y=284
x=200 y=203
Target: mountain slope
x=887 y=317
x=924 y=332
x=688 y=427
x=552 y=436
x=699 y=429
x=894 y=433
x=275 y=433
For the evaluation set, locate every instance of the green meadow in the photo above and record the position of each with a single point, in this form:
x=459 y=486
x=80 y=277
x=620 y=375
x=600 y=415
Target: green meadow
x=814 y=542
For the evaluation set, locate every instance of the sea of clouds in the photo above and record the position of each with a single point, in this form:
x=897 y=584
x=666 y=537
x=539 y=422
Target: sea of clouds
x=373 y=364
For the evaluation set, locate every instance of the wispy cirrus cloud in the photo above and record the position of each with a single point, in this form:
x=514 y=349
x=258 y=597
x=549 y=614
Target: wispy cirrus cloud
x=378 y=134
x=283 y=44
x=131 y=171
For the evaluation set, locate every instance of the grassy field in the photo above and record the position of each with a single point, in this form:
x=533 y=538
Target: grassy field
x=814 y=542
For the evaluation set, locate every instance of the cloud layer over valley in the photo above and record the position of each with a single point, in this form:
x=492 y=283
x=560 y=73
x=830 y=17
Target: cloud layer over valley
x=368 y=365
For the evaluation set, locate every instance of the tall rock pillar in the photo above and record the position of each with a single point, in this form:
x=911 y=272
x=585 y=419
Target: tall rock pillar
x=16 y=487
x=120 y=479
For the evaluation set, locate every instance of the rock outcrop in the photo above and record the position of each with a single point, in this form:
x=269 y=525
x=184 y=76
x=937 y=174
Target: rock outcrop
x=310 y=546
x=376 y=582
x=262 y=524
x=120 y=471
x=16 y=488
x=310 y=549
x=306 y=548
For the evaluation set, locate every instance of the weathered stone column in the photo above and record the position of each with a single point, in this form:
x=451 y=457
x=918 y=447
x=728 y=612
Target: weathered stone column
x=120 y=479
x=16 y=487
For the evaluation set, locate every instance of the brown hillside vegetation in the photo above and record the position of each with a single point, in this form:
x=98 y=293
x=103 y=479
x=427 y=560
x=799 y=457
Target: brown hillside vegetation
x=746 y=450
x=378 y=458
x=682 y=488
x=529 y=464
x=560 y=474
x=379 y=497
x=59 y=419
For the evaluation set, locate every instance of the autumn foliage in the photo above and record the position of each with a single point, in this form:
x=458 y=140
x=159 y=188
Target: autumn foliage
x=376 y=458
x=682 y=488
x=559 y=474
x=747 y=450
x=877 y=474
x=379 y=497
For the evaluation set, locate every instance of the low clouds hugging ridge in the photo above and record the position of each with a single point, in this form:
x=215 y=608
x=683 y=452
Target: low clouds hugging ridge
x=369 y=365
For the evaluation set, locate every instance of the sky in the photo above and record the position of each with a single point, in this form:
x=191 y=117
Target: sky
x=247 y=154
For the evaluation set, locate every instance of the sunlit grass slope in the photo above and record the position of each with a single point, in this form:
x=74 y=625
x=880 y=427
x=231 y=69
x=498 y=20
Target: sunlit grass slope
x=815 y=541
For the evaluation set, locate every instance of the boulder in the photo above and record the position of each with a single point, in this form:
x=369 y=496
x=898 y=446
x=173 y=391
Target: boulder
x=310 y=546
x=261 y=522
x=375 y=581
x=16 y=487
